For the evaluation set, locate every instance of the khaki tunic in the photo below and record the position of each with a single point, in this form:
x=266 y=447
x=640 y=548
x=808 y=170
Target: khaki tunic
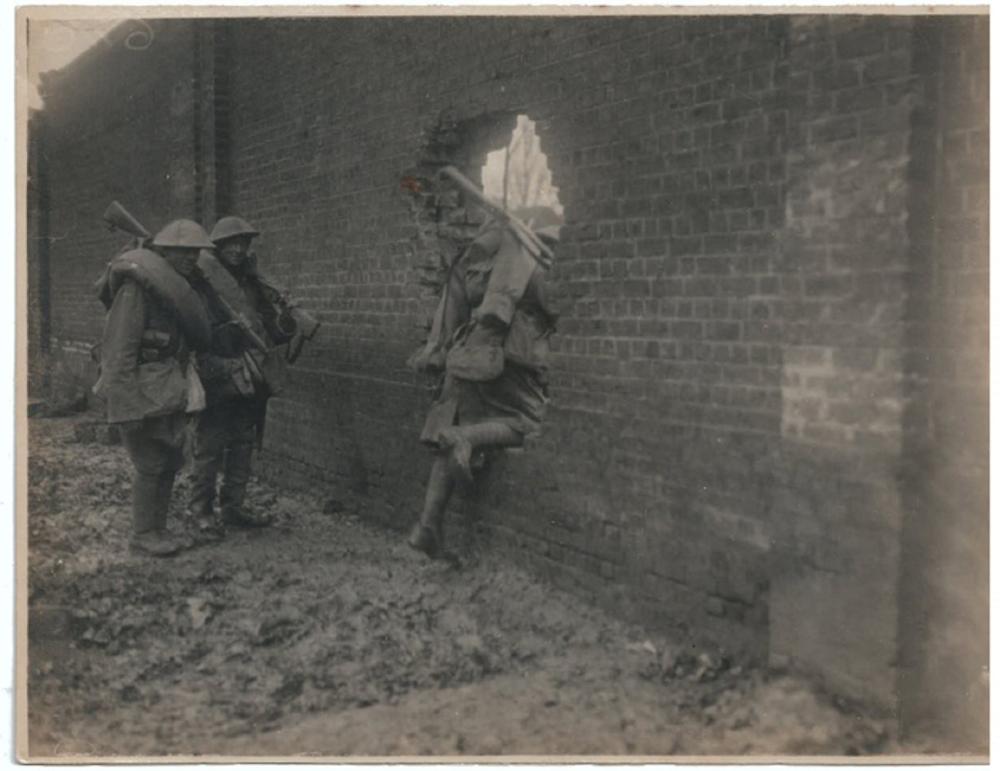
x=145 y=359
x=518 y=397
x=244 y=293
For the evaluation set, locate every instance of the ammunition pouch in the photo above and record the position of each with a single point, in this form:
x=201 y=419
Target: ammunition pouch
x=156 y=346
x=527 y=342
x=226 y=378
x=245 y=376
x=476 y=353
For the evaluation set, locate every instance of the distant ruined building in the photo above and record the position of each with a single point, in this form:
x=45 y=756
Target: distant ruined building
x=769 y=387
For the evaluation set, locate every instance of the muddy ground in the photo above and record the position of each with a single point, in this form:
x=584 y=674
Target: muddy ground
x=324 y=635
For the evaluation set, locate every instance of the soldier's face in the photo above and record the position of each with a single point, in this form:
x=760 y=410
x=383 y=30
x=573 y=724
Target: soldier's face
x=234 y=251
x=181 y=260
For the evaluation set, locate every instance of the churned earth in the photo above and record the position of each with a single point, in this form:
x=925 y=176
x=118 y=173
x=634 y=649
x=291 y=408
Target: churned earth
x=326 y=636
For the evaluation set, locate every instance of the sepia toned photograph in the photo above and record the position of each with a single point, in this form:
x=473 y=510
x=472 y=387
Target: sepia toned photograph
x=503 y=385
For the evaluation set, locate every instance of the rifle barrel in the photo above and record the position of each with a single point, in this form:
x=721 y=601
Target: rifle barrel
x=242 y=323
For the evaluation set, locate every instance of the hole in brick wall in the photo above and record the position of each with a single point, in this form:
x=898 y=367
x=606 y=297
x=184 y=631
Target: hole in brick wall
x=502 y=153
x=518 y=178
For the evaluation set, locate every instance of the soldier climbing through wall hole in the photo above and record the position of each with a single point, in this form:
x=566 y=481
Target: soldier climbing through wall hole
x=489 y=346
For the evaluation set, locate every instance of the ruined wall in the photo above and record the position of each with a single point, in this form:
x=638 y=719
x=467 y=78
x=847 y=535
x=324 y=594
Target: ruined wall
x=118 y=125
x=664 y=138
x=769 y=378
x=844 y=256
x=730 y=376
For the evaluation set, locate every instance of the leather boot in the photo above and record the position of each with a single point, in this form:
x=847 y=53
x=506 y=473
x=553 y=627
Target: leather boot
x=428 y=538
x=427 y=534
x=156 y=543
x=204 y=474
x=235 y=478
x=204 y=471
x=463 y=441
x=150 y=499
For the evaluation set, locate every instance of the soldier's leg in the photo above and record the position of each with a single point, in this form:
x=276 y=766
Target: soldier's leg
x=172 y=428
x=209 y=445
x=238 y=466
x=150 y=457
x=145 y=478
x=428 y=534
x=462 y=440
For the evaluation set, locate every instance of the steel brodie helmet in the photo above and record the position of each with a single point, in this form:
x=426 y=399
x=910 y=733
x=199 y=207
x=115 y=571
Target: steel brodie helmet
x=186 y=234
x=230 y=227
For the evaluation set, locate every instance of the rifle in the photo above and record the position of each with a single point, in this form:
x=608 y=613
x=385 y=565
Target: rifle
x=240 y=321
x=119 y=218
x=532 y=243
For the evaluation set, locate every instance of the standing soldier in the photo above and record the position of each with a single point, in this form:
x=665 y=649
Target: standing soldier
x=156 y=323
x=490 y=341
x=241 y=371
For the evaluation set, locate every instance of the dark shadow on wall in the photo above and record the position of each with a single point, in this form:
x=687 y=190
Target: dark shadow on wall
x=943 y=589
x=39 y=300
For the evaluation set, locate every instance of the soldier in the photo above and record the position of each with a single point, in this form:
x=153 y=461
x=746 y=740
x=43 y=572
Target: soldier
x=241 y=371
x=490 y=342
x=156 y=322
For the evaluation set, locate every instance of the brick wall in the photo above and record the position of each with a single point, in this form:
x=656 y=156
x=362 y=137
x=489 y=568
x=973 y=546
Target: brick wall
x=118 y=125
x=944 y=578
x=665 y=140
x=844 y=259
x=761 y=337
x=38 y=259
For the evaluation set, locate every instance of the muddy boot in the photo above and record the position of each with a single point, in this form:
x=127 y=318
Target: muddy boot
x=201 y=520
x=427 y=535
x=156 y=543
x=201 y=504
x=163 y=500
x=235 y=478
x=205 y=525
x=150 y=536
x=428 y=539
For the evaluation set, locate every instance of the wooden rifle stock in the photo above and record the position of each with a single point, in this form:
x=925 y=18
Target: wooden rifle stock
x=532 y=243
